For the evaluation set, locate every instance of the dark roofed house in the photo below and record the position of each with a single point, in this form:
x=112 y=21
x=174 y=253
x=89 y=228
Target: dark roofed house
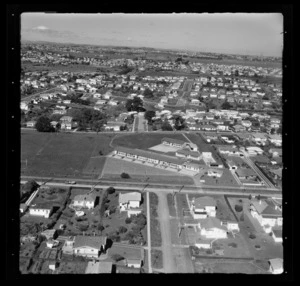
x=90 y=246
x=246 y=173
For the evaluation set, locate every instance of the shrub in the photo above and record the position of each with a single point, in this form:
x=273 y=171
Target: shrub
x=100 y=227
x=238 y=208
x=125 y=176
x=83 y=227
x=128 y=220
x=117 y=257
x=111 y=190
x=252 y=236
x=122 y=229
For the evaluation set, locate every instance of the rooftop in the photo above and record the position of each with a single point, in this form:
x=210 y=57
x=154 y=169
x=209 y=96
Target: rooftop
x=89 y=241
x=204 y=201
x=126 y=197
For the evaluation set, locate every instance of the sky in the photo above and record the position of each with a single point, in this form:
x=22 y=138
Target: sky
x=238 y=33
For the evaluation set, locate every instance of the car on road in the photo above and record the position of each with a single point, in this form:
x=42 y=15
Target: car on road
x=70 y=182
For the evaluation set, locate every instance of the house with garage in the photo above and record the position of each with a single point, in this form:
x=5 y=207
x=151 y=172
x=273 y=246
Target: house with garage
x=40 y=210
x=130 y=202
x=89 y=246
x=267 y=213
x=173 y=142
x=203 y=207
x=185 y=153
x=211 y=227
x=85 y=201
x=246 y=174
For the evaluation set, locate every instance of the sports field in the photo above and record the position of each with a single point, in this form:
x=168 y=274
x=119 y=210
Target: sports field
x=143 y=141
x=74 y=155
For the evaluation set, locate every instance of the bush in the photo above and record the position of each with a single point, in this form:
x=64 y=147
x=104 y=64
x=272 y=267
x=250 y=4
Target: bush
x=238 y=208
x=83 y=227
x=122 y=229
x=252 y=236
x=128 y=220
x=125 y=176
x=117 y=257
x=100 y=227
x=111 y=190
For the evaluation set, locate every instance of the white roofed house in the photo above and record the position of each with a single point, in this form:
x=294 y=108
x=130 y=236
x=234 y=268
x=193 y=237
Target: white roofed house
x=85 y=201
x=130 y=202
x=214 y=173
x=89 y=246
x=40 y=210
x=66 y=122
x=212 y=227
x=259 y=138
x=276 y=265
x=203 y=207
x=275 y=139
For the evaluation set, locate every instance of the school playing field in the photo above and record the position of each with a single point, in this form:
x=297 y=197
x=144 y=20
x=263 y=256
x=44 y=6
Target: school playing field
x=73 y=155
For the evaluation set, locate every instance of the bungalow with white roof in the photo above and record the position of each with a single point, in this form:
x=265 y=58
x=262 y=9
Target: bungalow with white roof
x=85 y=201
x=211 y=227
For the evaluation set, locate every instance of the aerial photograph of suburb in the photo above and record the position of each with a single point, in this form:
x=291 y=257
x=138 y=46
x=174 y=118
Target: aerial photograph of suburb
x=151 y=143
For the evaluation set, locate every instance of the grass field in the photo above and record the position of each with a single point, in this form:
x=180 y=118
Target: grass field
x=50 y=154
x=143 y=141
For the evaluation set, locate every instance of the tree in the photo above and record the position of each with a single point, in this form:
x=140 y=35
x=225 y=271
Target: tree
x=43 y=124
x=149 y=114
x=125 y=176
x=122 y=229
x=97 y=125
x=226 y=105
x=166 y=126
x=111 y=190
x=148 y=93
x=117 y=257
x=100 y=227
x=238 y=208
x=135 y=104
x=128 y=220
x=179 y=122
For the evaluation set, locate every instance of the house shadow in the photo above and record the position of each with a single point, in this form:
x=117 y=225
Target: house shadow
x=97 y=200
x=109 y=244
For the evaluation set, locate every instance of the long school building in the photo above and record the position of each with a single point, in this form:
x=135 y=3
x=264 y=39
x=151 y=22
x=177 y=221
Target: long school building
x=157 y=159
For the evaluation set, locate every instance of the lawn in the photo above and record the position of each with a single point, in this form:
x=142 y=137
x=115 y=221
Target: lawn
x=72 y=267
x=157 y=258
x=51 y=154
x=228 y=266
x=172 y=210
x=143 y=141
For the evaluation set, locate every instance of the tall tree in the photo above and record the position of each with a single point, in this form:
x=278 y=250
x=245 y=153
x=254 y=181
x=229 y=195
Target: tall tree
x=149 y=114
x=43 y=124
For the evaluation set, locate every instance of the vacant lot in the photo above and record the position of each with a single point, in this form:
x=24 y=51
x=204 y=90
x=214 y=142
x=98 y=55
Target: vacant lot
x=143 y=141
x=50 y=154
x=226 y=266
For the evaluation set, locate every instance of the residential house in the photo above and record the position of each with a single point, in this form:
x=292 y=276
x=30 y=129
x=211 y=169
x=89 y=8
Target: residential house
x=66 y=122
x=49 y=233
x=89 y=246
x=246 y=123
x=40 y=210
x=113 y=125
x=259 y=138
x=275 y=139
x=267 y=213
x=211 y=227
x=276 y=265
x=130 y=202
x=191 y=166
x=214 y=173
x=85 y=201
x=208 y=127
x=50 y=243
x=277 y=235
x=246 y=174
x=276 y=152
x=203 y=207
x=239 y=128
x=185 y=153
x=231 y=226
x=253 y=151
x=173 y=142
x=30 y=123
x=229 y=150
